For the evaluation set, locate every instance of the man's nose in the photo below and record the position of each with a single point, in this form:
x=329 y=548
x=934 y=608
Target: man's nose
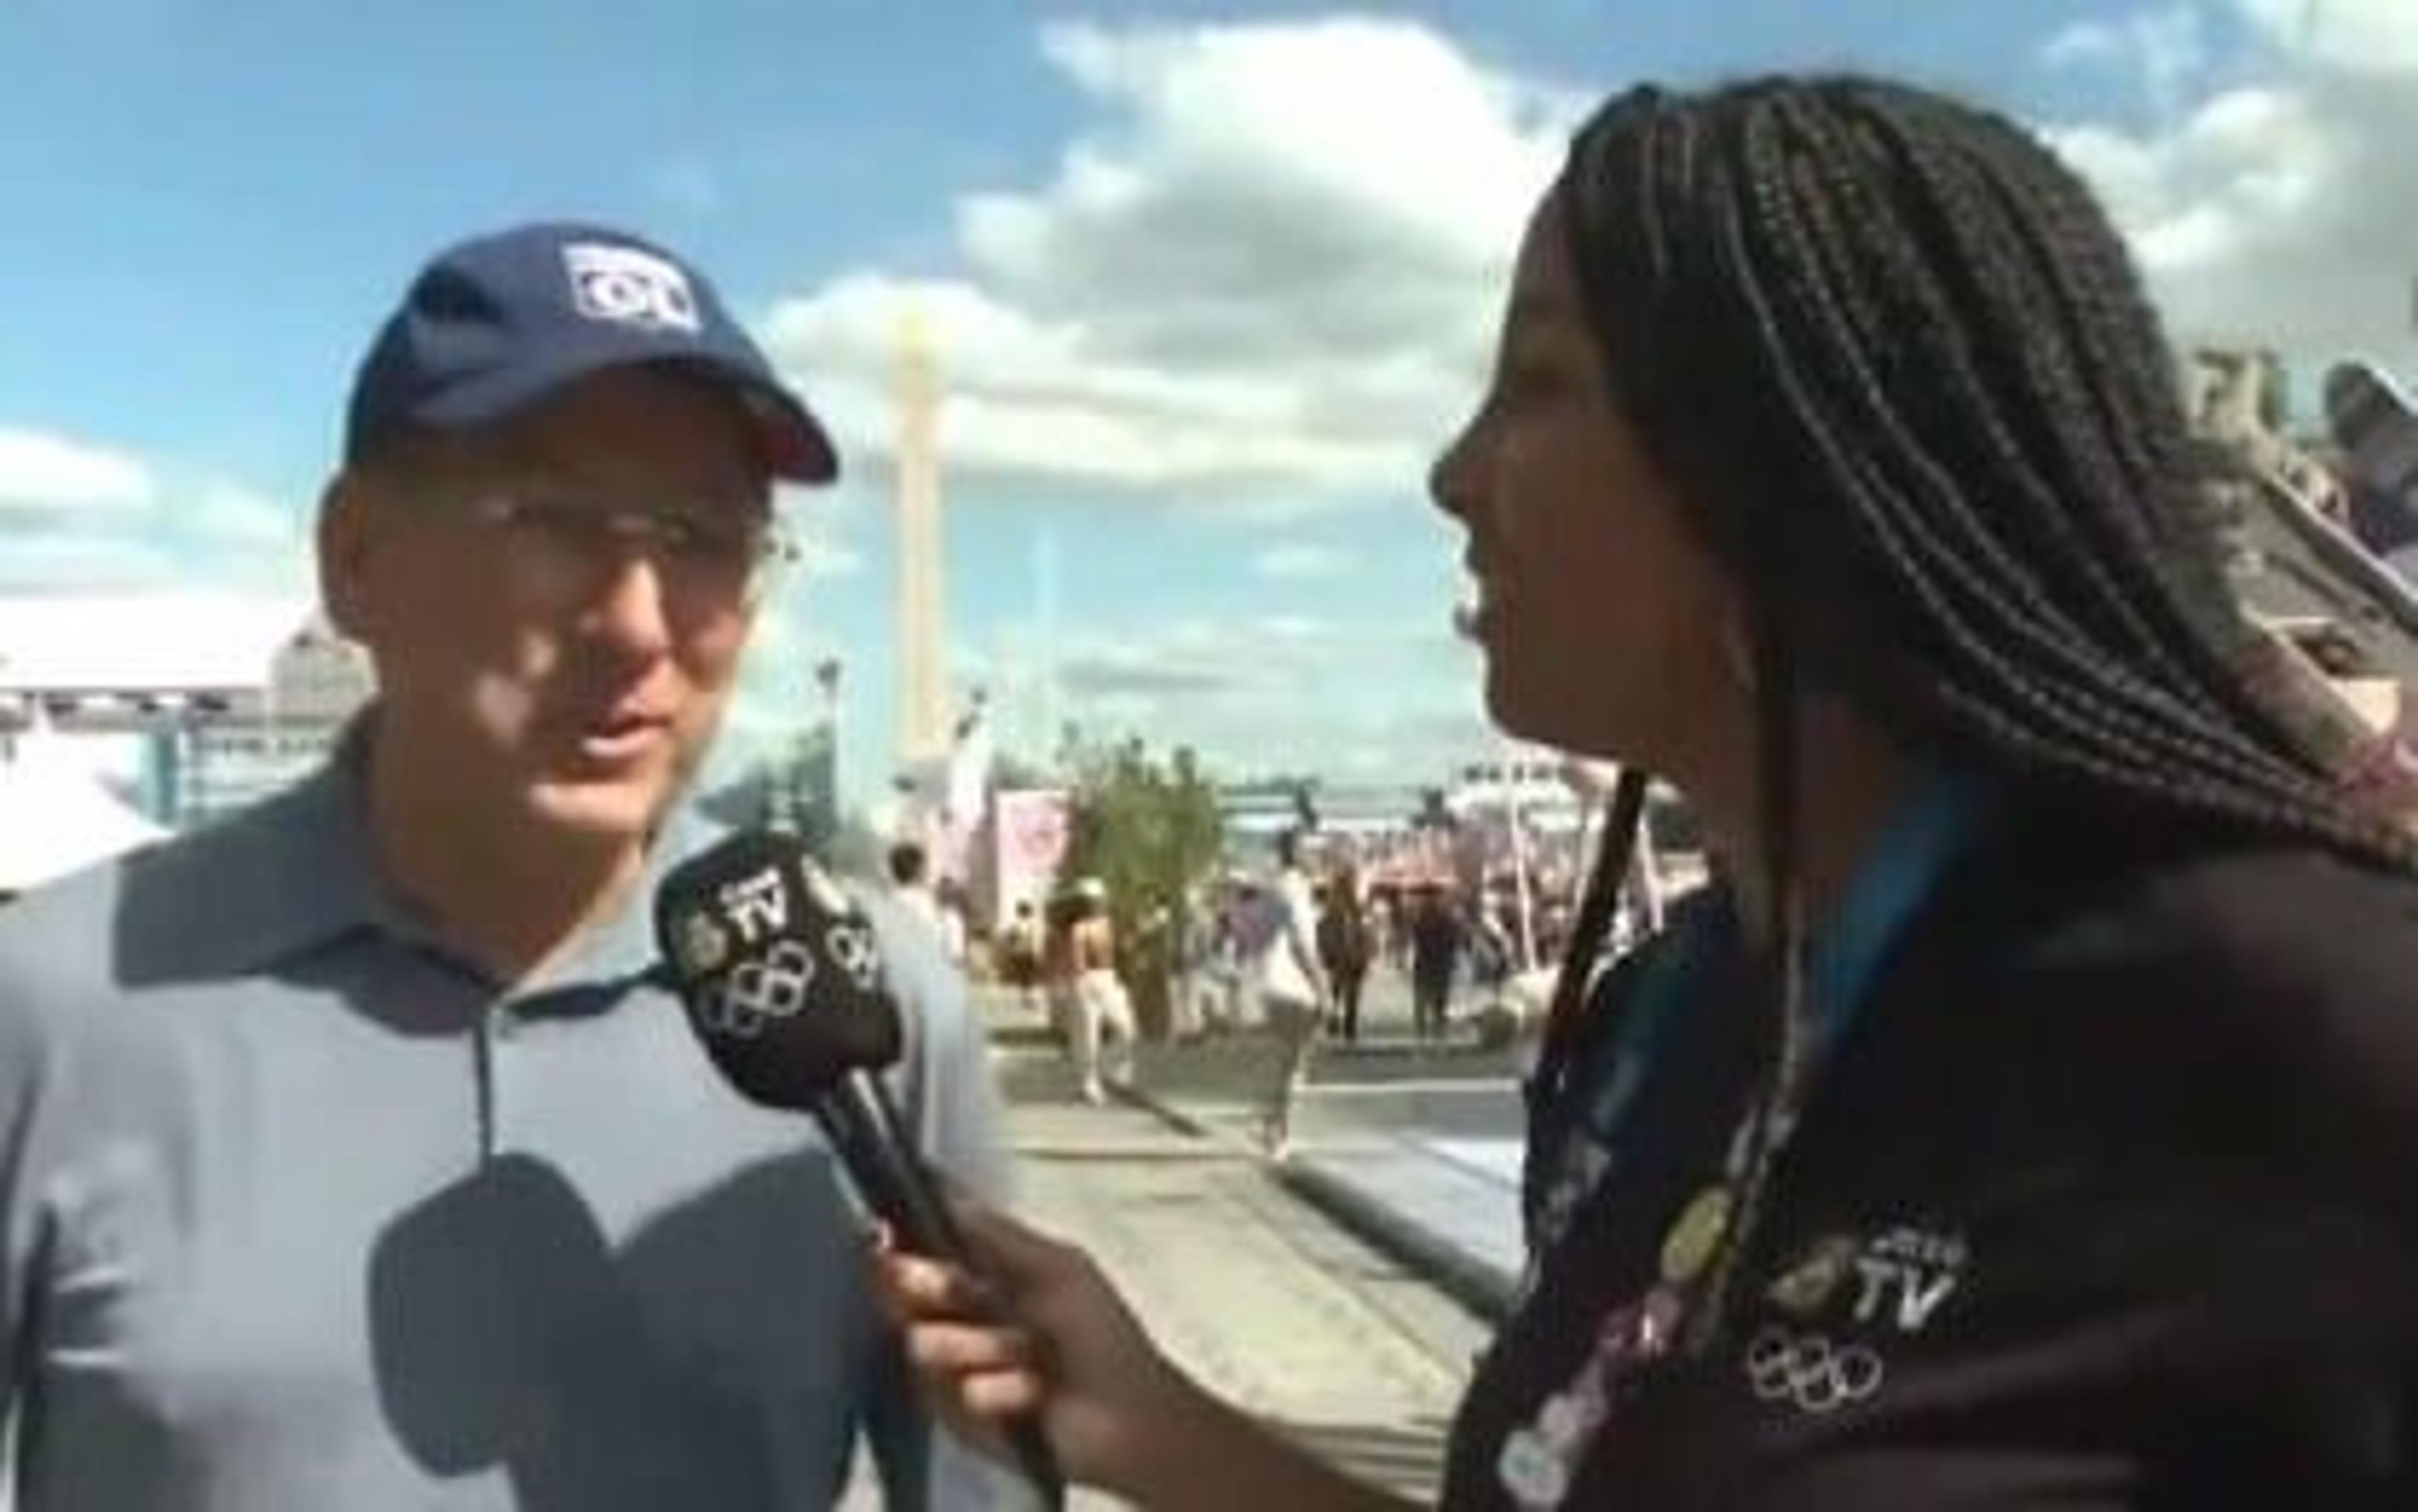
x=630 y=608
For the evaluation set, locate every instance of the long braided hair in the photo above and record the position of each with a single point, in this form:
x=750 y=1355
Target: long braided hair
x=1897 y=361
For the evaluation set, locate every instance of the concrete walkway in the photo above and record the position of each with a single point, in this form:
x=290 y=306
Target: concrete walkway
x=1415 y=1147
x=1419 y=1156
x=1271 y=1303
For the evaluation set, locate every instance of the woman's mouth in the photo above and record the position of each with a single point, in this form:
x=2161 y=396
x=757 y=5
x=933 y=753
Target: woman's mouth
x=1475 y=609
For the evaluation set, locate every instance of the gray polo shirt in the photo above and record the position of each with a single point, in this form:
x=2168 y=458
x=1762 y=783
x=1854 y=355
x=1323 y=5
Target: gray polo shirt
x=299 y=1211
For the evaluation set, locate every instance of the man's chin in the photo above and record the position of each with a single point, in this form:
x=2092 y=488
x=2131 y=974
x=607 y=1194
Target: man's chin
x=603 y=812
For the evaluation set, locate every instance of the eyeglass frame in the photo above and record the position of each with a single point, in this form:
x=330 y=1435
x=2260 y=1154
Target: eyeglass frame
x=605 y=537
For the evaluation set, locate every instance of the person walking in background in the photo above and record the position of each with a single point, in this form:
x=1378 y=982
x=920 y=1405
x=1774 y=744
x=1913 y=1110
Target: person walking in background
x=956 y=935
x=1344 y=948
x=1489 y=933
x=1436 y=938
x=1293 y=989
x=1100 y=1007
x=911 y=883
x=1058 y=970
x=1021 y=956
x=1189 y=931
x=1241 y=935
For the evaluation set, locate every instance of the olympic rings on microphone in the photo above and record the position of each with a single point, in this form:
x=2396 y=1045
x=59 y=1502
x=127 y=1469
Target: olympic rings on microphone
x=759 y=991
x=1810 y=1370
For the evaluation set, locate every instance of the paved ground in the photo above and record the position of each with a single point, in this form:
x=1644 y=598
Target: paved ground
x=1416 y=1144
x=1276 y=1301
x=1274 y=1304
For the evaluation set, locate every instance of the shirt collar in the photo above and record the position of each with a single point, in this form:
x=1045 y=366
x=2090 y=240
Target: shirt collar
x=275 y=880
x=299 y=871
x=621 y=946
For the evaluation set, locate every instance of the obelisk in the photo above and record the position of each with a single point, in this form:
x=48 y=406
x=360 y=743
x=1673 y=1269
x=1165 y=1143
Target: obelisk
x=924 y=715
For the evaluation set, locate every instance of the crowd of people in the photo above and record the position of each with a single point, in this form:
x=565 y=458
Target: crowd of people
x=1286 y=954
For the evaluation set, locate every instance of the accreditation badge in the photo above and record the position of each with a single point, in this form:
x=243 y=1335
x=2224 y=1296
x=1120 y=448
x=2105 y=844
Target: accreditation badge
x=1695 y=1235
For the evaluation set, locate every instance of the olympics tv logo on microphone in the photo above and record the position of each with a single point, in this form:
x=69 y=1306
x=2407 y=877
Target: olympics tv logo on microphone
x=849 y=942
x=759 y=990
x=1813 y=1372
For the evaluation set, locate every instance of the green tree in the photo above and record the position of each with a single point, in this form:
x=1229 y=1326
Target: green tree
x=1012 y=768
x=803 y=792
x=1149 y=830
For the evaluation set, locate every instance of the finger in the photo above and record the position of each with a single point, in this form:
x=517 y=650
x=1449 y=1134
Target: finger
x=915 y=1288
x=957 y=1350
x=1001 y=1394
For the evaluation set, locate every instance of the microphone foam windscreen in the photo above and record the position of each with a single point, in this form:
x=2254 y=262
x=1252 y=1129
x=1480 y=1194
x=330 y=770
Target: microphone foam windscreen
x=778 y=970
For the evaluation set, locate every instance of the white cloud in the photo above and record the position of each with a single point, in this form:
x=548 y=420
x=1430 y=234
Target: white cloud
x=230 y=514
x=1270 y=262
x=164 y=637
x=2276 y=209
x=1297 y=560
x=1293 y=627
x=2167 y=49
x=82 y=515
x=2085 y=42
x=43 y=470
x=44 y=562
x=1256 y=691
x=2357 y=36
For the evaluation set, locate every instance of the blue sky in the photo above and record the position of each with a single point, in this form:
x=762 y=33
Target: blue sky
x=1208 y=281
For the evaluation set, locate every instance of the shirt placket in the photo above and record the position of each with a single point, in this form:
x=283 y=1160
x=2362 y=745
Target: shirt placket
x=500 y=1036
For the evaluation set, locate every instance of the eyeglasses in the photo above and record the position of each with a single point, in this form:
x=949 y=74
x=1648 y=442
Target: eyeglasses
x=560 y=546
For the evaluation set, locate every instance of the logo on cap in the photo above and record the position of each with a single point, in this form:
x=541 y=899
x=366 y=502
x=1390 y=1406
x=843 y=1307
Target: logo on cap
x=630 y=287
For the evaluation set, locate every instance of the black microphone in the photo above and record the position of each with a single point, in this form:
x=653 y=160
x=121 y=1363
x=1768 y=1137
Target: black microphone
x=781 y=977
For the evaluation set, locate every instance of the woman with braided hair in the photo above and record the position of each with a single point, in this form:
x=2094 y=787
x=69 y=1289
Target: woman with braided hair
x=2028 y=1116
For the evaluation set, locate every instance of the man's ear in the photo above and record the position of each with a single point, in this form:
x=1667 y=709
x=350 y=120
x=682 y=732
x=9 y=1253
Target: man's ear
x=347 y=543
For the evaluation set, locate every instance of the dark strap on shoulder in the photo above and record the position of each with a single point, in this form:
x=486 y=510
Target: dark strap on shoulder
x=1589 y=932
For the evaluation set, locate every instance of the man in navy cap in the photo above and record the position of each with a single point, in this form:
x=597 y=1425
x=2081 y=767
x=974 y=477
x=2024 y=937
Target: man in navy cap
x=348 y=1156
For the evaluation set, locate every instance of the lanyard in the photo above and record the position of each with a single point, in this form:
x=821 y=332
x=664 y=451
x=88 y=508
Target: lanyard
x=1897 y=873
x=1539 y=1462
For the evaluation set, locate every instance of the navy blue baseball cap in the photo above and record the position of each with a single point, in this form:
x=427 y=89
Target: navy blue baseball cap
x=500 y=322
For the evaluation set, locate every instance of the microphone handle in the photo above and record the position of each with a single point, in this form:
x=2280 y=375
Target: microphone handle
x=863 y=1125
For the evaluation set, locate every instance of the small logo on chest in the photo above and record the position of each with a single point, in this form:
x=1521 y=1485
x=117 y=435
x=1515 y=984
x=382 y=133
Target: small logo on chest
x=1844 y=1302
x=1898 y=1278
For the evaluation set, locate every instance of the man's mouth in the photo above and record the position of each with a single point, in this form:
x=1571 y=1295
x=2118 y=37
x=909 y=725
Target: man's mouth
x=622 y=735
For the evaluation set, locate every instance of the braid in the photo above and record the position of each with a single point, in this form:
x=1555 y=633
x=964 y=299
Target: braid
x=1964 y=561
x=1591 y=931
x=1785 y=1077
x=1977 y=563
x=2159 y=553
x=1964 y=450
x=1956 y=209
x=1909 y=531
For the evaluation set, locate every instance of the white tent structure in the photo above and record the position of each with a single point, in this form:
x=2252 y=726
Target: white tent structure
x=56 y=817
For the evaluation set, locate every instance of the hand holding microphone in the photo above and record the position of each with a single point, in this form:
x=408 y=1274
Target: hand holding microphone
x=781 y=978
x=1121 y=1415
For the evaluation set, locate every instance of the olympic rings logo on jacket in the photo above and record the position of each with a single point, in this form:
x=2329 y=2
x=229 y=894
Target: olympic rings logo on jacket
x=1811 y=1371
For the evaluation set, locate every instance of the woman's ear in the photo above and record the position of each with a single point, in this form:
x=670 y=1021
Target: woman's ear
x=346 y=544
